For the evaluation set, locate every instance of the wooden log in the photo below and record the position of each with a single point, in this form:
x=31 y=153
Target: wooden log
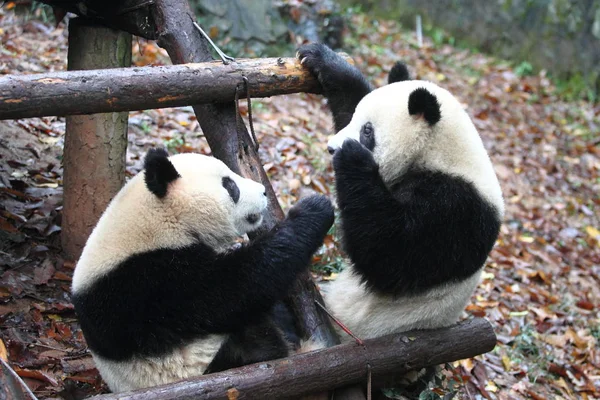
x=12 y=386
x=140 y=88
x=388 y=357
x=95 y=145
x=184 y=44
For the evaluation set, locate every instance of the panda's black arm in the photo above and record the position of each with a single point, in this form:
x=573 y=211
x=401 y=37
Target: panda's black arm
x=343 y=84
x=247 y=282
x=361 y=193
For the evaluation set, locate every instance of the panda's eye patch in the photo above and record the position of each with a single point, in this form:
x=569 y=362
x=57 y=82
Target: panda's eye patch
x=232 y=188
x=367 y=136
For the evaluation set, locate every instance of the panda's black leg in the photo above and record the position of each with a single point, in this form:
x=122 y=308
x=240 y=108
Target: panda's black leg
x=343 y=84
x=258 y=342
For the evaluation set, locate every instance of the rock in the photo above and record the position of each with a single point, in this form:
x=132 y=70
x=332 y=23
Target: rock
x=268 y=27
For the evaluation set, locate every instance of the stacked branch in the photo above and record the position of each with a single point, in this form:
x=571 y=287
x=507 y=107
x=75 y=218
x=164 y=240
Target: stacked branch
x=128 y=89
x=388 y=357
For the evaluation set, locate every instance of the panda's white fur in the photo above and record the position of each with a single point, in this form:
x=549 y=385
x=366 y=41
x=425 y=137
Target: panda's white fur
x=186 y=362
x=370 y=315
x=420 y=202
x=160 y=293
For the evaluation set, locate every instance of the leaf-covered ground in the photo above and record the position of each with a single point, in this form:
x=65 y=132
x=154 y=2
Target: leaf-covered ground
x=541 y=284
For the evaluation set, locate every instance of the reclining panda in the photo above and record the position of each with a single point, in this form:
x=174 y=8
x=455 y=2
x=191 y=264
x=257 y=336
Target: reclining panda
x=159 y=293
x=420 y=203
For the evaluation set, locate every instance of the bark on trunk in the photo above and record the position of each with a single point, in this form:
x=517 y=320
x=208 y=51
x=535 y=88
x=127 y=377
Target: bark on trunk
x=95 y=145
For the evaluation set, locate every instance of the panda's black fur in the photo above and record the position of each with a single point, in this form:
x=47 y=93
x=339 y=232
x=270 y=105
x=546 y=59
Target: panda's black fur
x=398 y=73
x=343 y=85
x=142 y=309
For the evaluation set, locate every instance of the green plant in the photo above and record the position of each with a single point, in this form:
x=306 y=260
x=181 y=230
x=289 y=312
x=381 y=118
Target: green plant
x=34 y=10
x=145 y=126
x=174 y=143
x=595 y=331
x=331 y=261
x=524 y=69
x=575 y=88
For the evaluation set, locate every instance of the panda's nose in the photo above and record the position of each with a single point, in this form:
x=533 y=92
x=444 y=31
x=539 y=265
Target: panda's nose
x=330 y=149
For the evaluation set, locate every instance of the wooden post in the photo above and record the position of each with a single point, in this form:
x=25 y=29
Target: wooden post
x=95 y=145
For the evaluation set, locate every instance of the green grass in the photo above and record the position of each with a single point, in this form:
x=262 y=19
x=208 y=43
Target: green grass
x=575 y=88
x=524 y=69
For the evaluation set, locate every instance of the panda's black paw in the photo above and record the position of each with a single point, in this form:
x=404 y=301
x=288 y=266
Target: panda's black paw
x=325 y=64
x=313 y=205
x=315 y=212
x=353 y=156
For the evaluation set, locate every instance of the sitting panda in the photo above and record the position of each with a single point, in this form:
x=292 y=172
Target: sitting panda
x=420 y=203
x=159 y=292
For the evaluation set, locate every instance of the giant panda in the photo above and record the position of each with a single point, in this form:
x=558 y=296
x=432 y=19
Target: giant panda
x=420 y=203
x=159 y=291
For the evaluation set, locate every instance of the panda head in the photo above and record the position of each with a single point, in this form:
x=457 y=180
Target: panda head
x=201 y=195
x=411 y=123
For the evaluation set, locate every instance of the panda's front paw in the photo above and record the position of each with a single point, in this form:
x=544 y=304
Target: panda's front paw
x=313 y=215
x=324 y=63
x=315 y=205
x=353 y=156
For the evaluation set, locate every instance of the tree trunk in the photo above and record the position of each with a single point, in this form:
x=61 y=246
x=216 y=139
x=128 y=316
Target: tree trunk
x=128 y=89
x=388 y=357
x=95 y=145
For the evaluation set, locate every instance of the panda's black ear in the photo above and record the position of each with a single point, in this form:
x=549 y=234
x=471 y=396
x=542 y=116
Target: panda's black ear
x=423 y=103
x=399 y=73
x=159 y=172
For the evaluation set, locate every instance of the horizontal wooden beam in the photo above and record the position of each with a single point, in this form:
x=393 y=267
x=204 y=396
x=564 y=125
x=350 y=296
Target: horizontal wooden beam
x=333 y=367
x=140 y=88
